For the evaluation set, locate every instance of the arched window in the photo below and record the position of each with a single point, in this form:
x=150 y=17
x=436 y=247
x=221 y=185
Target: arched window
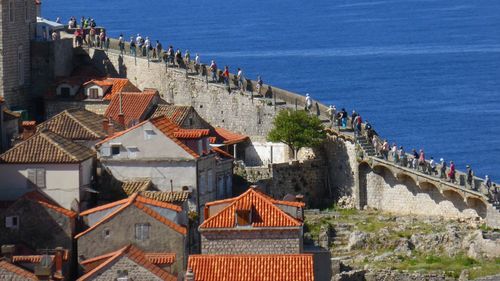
x=20 y=65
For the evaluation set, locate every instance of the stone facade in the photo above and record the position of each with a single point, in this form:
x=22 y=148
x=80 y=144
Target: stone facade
x=135 y=271
x=119 y=231
x=255 y=241
x=39 y=227
x=17 y=18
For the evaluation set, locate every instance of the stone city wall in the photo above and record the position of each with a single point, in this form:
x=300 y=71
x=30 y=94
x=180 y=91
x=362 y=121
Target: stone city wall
x=251 y=242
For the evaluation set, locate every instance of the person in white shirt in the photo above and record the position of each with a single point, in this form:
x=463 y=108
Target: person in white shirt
x=432 y=165
x=240 y=79
x=308 y=102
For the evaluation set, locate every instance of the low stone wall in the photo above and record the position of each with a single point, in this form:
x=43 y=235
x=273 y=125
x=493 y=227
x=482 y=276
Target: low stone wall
x=251 y=242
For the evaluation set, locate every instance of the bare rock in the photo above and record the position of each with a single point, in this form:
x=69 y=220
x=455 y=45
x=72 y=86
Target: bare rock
x=357 y=240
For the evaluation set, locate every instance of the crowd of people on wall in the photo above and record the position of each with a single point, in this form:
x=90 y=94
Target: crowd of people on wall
x=87 y=33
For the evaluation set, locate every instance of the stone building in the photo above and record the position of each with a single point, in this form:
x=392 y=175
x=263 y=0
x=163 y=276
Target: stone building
x=17 y=20
x=128 y=263
x=81 y=126
x=9 y=126
x=61 y=168
x=150 y=225
x=37 y=222
x=252 y=223
x=296 y=267
x=174 y=159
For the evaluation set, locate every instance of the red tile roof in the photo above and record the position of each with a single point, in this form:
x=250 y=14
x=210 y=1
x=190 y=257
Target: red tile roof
x=134 y=254
x=140 y=203
x=191 y=133
x=161 y=258
x=78 y=124
x=227 y=137
x=298 y=267
x=117 y=85
x=17 y=270
x=168 y=129
x=47 y=147
x=264 y=212
x=134 y=106
x=36 y=258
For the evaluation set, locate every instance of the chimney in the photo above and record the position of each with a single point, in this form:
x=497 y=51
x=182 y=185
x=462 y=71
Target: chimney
x=111 y=128
x=121 y=119
x=28 y=129
x=58 y=260
x=189 y=275
x=43 y=270
x=299 y=198
x=8 y=251
x=105 y=126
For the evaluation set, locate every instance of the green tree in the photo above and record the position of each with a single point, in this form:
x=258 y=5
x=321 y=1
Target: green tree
x=297 y=129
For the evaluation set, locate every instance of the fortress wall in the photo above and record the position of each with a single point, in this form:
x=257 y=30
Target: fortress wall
x=342 y=166
x=212 y=101
x=387 y=193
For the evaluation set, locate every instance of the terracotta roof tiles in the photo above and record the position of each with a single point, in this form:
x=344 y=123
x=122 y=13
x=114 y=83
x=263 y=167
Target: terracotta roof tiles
x=140 y=202
x=175 y=113
x=17 y=270
x=135 y=255
x=117 y=85
x=264 y=212
x=174 y=197
x=47 y=147
x=191 y=133
x=292 y=267
x=133 y=186
x=168 y=128
x=78 y=124
x=134 y=106
x=227 y=137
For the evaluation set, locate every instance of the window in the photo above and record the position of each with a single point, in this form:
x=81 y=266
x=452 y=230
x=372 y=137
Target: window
x=93 y=93
x=115 y=149
x=106 y=233
x=142 y=231
x=65 y=92
x=20 y=65
x=36 y=177
x=11 y=10
x=149 y=134
x=190 y=121
x=132 y=151
x=12 y=222
x=122 y=275
x=243 y=217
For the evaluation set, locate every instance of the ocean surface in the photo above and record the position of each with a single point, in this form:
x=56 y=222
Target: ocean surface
x=425 y=73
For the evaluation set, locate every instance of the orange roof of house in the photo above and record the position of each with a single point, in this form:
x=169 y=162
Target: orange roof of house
x=222 y=152
x=140 y=203
x=168 y=129
x=292 y=267
x=36 y=258
x=264 y=212
x=134 y=106
x=117 y=85
x=78 y=124
x=47 y=147
x=17 y=270
x=136 y=255
x=227 y=137
x=191 y=133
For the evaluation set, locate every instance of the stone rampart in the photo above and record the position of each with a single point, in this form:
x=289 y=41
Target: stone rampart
x=337 y=175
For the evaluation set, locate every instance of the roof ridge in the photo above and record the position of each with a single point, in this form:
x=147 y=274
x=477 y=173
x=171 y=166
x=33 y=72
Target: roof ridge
x=46 y=136
x=104 y=264
x=104 y=207
x=270 y=201
x=81 y=124
x=171 y=136
x=157 y=216
x=110 y=215
x=235 y=199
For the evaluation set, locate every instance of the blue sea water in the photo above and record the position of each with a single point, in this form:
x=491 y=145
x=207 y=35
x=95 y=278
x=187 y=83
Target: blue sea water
x=425 y=73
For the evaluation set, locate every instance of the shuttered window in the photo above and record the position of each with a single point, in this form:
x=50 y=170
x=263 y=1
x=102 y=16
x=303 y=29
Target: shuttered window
x=142 y=231
x=36 y=177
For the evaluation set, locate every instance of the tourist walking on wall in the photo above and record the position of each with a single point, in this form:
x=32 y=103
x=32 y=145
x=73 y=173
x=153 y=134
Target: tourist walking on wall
x=344 y=118
x=187 y=58
x=178 y=58
x=402 y=157
x=170 y=54
x=332 y=111
x=384 y=150
x=197 y=63
x=308 y=103
x=496 y=195
x=369 y=130
x=353 y=116
x=487 y=183
x=421 y=160
x=443 y=168
x=432 y=167
x=121 y=44
x=376 y=145
x=159 y=49
x=225 y=75
x=132 y=46
x=241 y=79
x=102 y=38
x=394 y=152
x=451 y=173
x=213 y=69
x=470 y=177
x=259 y=84
x=92 y=37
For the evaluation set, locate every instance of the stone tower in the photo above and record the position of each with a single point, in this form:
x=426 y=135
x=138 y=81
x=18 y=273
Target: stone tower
x=17 y=26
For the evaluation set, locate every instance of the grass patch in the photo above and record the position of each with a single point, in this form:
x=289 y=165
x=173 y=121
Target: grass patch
x=487 y=268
